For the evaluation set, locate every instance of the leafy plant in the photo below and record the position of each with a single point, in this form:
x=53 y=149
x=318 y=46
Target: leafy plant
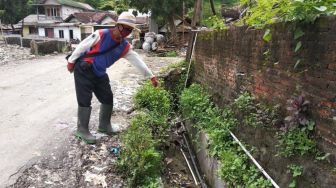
x=139 y=157
x=156 y=100
x=216 y=23
x=296 y=141
x=298 y=110
x=147 y=132
x=252 y=113
x=194 y=101
x=172 y=53
x=264 y=12
x=297 y=129
x=195 y=105
x=296 y=171
x=153 y=182
x=267 y=35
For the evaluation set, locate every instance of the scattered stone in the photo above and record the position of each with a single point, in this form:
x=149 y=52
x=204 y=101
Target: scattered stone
x=149 y=40
x=146 y=46
x=152 y=41
x=95 y=179
x=155 y=46
x=160 y=39
x=13 y=53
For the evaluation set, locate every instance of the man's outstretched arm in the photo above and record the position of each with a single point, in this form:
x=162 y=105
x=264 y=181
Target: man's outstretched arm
x=136 y=60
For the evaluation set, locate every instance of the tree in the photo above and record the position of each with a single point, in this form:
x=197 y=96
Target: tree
x=167 y=10
x=94 y=3
x=12 y=11
x=116 y=5
x=213 y=7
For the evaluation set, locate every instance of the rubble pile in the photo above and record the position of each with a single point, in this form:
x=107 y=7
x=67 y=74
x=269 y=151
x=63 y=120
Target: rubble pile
x=13 y=52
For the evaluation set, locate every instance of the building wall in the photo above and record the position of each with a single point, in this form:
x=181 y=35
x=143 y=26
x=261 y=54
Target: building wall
x=229 y=62
x=41 y=32
x=66 y=31
x=25 y=30
x=66 y=11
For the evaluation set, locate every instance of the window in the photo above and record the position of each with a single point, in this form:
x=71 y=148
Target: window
x=48 y=12
x=53 y=12
x=71 y=34
x=61 y=33
x=32 y=30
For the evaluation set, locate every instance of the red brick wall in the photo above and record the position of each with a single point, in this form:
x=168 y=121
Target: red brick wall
x=229 y=62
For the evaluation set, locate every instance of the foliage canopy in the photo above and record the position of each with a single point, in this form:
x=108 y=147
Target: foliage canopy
x=264 y=12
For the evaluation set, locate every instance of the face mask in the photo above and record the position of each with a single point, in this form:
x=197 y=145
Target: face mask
x=125 y=32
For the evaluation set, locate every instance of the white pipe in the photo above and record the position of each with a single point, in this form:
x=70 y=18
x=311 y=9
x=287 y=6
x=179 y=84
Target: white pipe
x=192 y=50
x=192 y=172
x=254 y=161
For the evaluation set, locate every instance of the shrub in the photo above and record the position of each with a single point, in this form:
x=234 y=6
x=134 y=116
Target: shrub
x=296 y=141
x=156 y=100
x=195 y=105
x=139 y=157
x=194 y=101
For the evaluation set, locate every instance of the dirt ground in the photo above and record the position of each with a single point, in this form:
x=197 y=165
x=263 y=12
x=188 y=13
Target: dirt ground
x=38 y=118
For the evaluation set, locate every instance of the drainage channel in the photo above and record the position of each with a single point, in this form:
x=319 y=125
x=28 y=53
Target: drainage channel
x=189 y=155
x=191 y=159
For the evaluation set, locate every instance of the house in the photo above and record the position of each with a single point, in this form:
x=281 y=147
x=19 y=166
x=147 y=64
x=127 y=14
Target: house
x=8 y=29
x=88 y=22
x=61 y=9
x=49 y=19
x=183 y=30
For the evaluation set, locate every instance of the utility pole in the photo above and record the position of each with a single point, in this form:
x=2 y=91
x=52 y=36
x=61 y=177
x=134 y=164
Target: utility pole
x=195 y=22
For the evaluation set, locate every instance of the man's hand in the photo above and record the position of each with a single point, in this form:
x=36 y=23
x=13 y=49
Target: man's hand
x=71 y=67
x=154 y=81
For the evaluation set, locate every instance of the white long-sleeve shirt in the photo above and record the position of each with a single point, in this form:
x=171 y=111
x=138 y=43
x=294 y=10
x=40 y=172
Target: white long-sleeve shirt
x=131 y=55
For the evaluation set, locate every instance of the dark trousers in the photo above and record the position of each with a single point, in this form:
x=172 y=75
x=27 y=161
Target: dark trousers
x=87 y=82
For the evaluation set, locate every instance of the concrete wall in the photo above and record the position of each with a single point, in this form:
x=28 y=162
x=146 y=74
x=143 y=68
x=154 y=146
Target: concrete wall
x=48 y=47
x=39 y=46
x=207 y=164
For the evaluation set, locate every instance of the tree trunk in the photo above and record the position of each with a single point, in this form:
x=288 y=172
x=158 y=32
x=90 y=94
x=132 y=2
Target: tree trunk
x=213 y=7
x=197 y=13
x=12 y=27
x=172 y=28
